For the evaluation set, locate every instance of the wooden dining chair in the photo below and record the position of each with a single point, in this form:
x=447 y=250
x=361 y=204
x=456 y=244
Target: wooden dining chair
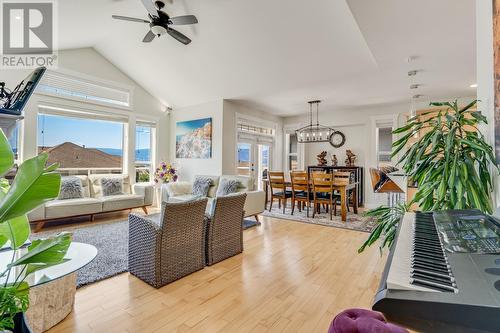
x=277 y=185
x=323 y=192
x=343 y=178
x=300 y=189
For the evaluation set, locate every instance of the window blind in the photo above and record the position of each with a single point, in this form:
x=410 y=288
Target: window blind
x=68 y=86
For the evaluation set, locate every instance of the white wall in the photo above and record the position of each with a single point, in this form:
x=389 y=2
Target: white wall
x=188 y=168
x=91 y=64
x=485 y=73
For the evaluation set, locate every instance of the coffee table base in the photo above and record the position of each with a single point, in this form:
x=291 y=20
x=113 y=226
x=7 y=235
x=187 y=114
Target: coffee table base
x=51 y=302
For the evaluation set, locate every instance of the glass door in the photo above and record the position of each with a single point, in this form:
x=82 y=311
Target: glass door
x=253 y=159
x=245 y=165
x=263 y=164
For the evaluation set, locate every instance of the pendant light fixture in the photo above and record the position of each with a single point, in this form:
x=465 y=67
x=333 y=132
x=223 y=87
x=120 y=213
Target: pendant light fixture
x=314 y=132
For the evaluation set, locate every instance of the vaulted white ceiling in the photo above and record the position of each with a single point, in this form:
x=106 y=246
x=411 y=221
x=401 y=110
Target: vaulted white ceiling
x=277 y=54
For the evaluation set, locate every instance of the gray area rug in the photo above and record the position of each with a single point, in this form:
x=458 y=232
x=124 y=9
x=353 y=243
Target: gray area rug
x=354 y=221
x=111 y=241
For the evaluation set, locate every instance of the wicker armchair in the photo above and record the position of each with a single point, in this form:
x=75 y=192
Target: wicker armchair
x=167 y=246
x=225 y=228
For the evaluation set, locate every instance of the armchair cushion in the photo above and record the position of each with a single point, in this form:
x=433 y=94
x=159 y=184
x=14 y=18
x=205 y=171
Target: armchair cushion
x=146 y=190
x=201 y=186
x=227 y=186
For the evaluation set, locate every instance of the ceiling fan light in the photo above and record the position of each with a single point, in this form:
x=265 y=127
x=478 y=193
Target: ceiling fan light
x=158 y=30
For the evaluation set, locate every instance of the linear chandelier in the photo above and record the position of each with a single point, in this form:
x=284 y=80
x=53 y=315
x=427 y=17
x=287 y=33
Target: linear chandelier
x=314 y=132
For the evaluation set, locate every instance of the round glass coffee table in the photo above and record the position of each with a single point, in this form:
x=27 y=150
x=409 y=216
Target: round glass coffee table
x=53 y=289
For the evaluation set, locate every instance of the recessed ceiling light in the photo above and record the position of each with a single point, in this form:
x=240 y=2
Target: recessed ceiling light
x=473 y=85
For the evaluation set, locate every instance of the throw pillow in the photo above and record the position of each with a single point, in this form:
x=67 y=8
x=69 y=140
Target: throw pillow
x=227 y=186
x=111 y=186
x=71 y=188
x=201 y=186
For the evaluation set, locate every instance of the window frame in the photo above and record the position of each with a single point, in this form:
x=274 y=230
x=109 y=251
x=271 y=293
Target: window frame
x=152 y=135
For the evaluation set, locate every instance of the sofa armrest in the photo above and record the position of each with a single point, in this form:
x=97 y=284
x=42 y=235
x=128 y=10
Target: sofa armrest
x=146 y=190
x=255 y=203
x=175 y=189
x=37 y=214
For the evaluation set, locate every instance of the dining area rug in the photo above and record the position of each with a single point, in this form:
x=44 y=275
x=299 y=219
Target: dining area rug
x=354 y=221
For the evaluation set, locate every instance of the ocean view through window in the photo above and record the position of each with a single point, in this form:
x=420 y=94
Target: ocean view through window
x=81 y=146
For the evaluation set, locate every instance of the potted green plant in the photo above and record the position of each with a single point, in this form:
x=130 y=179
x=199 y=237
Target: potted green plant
x=34 y=184
x=450 y=163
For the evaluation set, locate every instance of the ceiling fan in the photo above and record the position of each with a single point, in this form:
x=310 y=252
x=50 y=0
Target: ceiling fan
x=159 y=22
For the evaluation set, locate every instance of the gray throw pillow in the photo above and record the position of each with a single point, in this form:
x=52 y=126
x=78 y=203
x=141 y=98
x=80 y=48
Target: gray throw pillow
x=111 y=186
x=227 y=186
x=71 y=188
x=201 y=186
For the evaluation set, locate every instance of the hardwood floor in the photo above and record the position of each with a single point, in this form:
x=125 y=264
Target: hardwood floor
x=292 y=277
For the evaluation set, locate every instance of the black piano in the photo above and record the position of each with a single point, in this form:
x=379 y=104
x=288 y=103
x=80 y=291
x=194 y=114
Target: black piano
x=443 y=273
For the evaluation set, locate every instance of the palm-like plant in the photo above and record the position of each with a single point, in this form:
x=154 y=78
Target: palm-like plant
x=450 y=163
x=33 y=185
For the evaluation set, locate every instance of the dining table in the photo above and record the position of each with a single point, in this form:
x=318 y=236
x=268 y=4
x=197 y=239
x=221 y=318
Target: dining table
x=342 y=187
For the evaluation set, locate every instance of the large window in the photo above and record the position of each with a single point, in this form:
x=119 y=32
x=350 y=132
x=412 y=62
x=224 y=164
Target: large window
x=292 y=152
x=143 y=155
x=384 y=145
x=81 y=146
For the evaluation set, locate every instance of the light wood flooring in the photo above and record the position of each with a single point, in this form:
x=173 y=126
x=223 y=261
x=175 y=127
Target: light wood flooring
x=292 y=277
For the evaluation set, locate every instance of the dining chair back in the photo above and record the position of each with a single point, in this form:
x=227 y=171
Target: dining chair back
x=341 y=177
x=277 y=184
x=323 y=192
x=300 y=189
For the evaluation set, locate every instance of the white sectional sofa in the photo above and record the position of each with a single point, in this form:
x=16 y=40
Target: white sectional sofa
x=93 y=202
x=181 y=191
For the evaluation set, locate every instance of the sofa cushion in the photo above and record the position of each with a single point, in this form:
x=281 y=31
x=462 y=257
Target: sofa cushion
x=246 y=183
x=213 y=188
x=71 y=188
x=121 y=201
x=227 y=186
x=111 y=186
x=72 y=207
x=201 y=186
x=95 y=184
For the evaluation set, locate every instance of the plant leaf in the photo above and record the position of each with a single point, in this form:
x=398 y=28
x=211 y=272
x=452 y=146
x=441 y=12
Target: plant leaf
x=32 y=186
x=17 y=230
x=6 y=154
x=49 y=251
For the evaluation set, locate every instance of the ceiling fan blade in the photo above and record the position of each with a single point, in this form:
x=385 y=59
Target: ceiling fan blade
x=150 y=7
x=185 y=19
x=177 y=35
x=126 y=18
x=149 y=37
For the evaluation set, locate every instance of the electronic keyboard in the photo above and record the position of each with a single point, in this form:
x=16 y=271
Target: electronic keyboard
x=443 y=273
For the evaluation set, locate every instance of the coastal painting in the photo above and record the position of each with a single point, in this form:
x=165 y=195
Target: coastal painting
x=193 y=139
x=496 y=48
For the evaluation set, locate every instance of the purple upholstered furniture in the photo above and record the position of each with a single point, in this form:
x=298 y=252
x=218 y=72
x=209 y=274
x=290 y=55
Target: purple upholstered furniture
x=362 y=321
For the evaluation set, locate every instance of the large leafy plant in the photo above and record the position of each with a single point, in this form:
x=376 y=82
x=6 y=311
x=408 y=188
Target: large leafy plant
x=450 y=161
x=33 y=185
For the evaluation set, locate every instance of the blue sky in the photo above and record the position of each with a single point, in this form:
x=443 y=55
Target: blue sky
x=91 y=133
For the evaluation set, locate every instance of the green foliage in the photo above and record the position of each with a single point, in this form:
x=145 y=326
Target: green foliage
x=143 y=176
x=387 y=223
x=450 y=164
x=451 y=161
x=33 y=185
